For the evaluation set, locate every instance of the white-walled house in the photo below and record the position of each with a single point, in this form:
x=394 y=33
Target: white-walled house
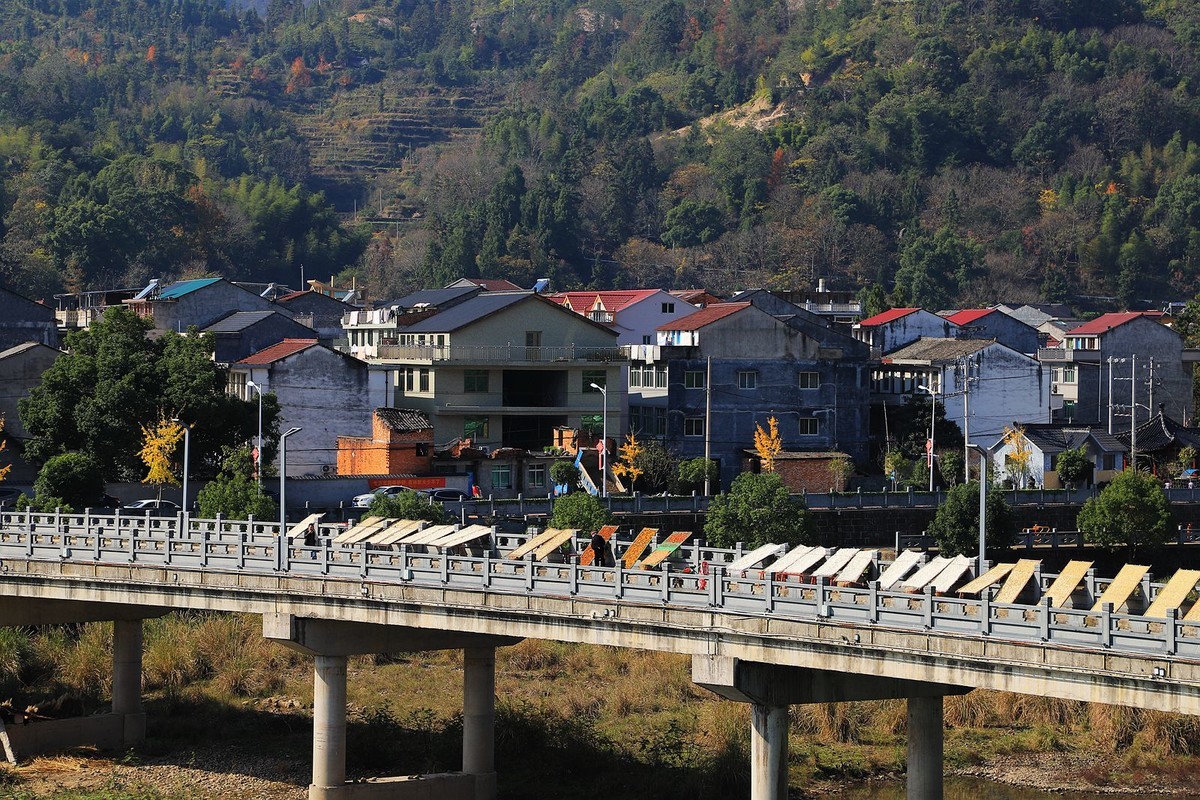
x=899 y=327
x=1004 y=386
x=1043 y=444
x=635 y=315
x=323 y=392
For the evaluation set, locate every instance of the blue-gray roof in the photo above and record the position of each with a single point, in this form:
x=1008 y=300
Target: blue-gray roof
x=185 y=287
x=469 y=311
x=436 y=297
x=239 y=321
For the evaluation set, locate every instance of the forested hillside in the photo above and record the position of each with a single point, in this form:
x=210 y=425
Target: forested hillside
x=947 y=152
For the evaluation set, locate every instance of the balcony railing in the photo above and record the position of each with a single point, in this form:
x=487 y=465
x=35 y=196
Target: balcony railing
x=1067 y=354
x=502 y=353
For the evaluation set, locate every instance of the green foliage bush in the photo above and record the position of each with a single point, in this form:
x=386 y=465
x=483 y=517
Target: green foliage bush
x=580 y=510
x=757 y=510
x=70 y=481
x=1130 y=513
x=234 y=494
x=956 y=523
x=564 y=472
x=407 y=505
x=1073 y=466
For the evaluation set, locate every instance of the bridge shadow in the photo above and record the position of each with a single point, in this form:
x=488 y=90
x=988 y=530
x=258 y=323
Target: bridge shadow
x=539 y=752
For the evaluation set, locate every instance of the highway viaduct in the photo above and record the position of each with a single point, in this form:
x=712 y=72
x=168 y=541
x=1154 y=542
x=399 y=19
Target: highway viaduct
x=768 y=641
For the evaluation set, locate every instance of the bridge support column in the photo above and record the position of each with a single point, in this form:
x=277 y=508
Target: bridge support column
x=771 y=688
x=329 y=725
x=925 y=742
x=127 y=680
x=330 y=643
x=768 y=752
x=479 y=719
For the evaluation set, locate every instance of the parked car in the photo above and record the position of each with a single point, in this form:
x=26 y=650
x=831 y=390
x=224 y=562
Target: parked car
x=154 y=507
x=364 y=500
x=447 y=495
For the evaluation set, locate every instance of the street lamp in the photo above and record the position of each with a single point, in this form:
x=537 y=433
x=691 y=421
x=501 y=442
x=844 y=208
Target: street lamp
x=283 y=476
x=604 y=434
x=932 y=420
x=258 y=451
x=186 y=442
x=982 y=501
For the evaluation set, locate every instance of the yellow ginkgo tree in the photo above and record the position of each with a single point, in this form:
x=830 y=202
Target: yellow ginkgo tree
x=767 y=443
x=1019 y=455
x=628 y=453
x=159 y=442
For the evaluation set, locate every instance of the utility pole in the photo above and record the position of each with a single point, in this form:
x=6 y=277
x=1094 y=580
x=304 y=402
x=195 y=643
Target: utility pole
x=1133 y=412
x=965 y=366
x=1151 y=387
x=1110 y=396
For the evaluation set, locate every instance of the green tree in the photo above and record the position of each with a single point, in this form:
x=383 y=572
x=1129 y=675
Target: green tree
x=758 y=509
x=581 y=511
x=70 y=481
x=564 y=472
x=693 y=471
x=1131 y=512
x=113 y=380
x=956 y=524
x=407 y=505
x=233 y=493
x=1073 y=466
x=660 y=468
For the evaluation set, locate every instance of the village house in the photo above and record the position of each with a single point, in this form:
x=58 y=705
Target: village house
x=634 y=315
x=991 y=323
x=401 y=442
x=325 y=393
x=24 y=320
x=200 y=303
x=320 y=312
x=245 y=332
x=898 y=327
x=1030 y=459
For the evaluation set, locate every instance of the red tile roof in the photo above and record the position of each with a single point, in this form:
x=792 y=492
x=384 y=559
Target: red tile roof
x=704 y=316
x=614 y=301
x=969 y=315
x=886 y=317
x=269 y=355
x=1105 y=322
x=494 y=284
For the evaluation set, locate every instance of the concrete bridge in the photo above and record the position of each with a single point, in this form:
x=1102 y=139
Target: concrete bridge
x=768 y=640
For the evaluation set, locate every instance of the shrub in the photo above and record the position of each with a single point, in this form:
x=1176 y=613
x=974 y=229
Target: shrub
x=564 y=472
x=407 y=505
x=233 y=494
x=580 y=510
x=70 y=480
x=758 y=509
x=1131 y=512
x=956 y=524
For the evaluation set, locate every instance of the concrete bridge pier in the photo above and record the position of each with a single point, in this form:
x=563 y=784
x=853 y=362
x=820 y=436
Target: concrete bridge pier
x=330 y=643
x=127 y=681
x=125 y=726
x=771 y=688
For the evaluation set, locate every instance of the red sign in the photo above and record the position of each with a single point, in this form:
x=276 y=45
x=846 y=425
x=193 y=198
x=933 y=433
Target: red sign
x=929 y=445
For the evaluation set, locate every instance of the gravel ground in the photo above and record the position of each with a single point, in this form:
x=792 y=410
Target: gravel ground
x=211 y=773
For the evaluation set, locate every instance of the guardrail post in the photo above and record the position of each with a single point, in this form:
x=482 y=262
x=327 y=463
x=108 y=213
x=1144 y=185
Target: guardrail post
x=1044 y=613
x=529 y=573
x=241 y=547
x=928 y=607
x=666 y=582
x=1106 y=624
x=985 y=611
x=910 y=497
x=873 y=601
x=521 y=503
x=132 y=545
x=714 y=585
x=820 y=596
x=619 y=579
x=445 y=565
x=97 y=538
x=487 y=569
x=1171 y=630
x=362 y=560
x=573 y=575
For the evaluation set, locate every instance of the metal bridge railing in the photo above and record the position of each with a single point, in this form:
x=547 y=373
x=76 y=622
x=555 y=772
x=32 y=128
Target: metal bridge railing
x=699 y=579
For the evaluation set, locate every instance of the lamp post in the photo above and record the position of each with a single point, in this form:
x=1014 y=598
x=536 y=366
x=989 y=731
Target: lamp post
x=982 y=502
x=258 y=443
x=604 y=434
x=283 y=476
x=932 y=420
x=186 y=443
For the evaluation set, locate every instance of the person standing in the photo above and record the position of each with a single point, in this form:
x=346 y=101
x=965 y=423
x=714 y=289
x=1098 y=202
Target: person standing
x=599 y=550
